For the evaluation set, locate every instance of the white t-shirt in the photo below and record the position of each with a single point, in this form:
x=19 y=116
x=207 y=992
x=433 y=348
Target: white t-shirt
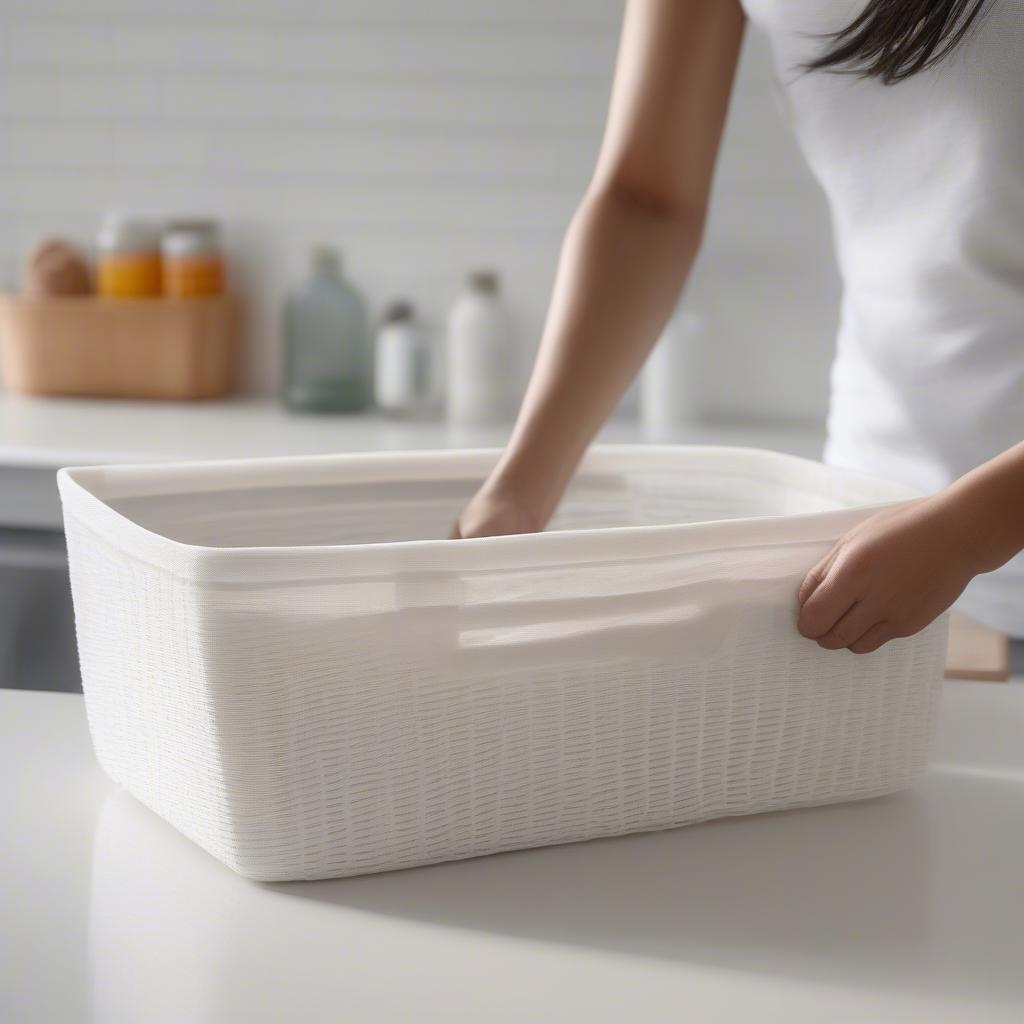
x=925 y=182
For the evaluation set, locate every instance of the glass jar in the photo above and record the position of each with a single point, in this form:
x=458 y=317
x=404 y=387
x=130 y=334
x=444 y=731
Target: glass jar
x=193 y=265
x=128 y=266
x=328 y=353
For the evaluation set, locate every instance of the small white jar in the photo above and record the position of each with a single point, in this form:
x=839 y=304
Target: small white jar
x=402 y=365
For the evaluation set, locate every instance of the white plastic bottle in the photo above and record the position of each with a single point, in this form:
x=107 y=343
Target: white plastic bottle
x=401 y=380
x=480 y=363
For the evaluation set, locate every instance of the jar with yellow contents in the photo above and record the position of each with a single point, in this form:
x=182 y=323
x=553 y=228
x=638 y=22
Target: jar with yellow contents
x=193 y=266
x=128 y=266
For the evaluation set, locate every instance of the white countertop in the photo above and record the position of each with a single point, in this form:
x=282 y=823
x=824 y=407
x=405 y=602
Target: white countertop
x=909 y=908
x=54 y=432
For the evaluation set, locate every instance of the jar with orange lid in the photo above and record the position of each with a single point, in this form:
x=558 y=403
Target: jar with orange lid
x=193 y=265
x=128 y=266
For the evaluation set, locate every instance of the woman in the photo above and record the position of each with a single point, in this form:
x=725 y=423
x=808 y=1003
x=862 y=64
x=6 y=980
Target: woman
x=911 y=114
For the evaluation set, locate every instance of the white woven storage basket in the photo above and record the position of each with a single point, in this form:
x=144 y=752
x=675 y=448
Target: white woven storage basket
x=283 y=659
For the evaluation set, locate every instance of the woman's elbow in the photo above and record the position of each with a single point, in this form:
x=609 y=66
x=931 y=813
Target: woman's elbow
x=675 y=208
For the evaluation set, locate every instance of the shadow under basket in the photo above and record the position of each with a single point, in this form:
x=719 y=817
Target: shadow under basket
x=174 y=349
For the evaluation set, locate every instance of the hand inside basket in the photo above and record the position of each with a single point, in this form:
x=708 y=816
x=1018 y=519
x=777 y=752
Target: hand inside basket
x=493 y=512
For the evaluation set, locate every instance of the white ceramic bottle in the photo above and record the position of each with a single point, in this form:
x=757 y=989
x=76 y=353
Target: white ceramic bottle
x=480 y=363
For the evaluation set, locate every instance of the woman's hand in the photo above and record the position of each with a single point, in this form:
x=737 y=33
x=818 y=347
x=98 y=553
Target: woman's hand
x=897 y=571
x=494 y=512
x=890 y=576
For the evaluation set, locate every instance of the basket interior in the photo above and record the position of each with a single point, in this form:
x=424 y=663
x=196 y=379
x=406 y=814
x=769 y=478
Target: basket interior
x=369 y=513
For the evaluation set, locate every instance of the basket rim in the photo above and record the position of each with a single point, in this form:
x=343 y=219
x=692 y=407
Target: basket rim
x=86 y=490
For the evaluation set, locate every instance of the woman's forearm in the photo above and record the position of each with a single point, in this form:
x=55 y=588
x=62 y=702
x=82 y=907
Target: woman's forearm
x=622 y=267
x=991 y=503
x=627 y=251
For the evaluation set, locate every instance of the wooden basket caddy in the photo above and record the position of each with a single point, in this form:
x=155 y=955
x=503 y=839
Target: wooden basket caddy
x=175 y=349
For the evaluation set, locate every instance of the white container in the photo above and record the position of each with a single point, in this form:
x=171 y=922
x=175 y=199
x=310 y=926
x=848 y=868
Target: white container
x=670 y=382
x=283 y=659
x=480 y=365
x=402 y=367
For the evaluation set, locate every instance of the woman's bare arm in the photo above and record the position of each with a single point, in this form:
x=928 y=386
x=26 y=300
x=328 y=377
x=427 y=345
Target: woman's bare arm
x=627 y=252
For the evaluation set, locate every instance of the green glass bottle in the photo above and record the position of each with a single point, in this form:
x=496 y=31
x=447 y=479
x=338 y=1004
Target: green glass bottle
x=328 y=351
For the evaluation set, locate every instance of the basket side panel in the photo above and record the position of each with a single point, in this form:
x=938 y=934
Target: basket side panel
x=362 y=728
x=153 y=724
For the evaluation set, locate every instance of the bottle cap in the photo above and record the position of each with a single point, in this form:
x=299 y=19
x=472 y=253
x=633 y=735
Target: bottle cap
x=126 y=232
x=484 y=281
x=399 y=312
x=189 y=238
x=327 y=259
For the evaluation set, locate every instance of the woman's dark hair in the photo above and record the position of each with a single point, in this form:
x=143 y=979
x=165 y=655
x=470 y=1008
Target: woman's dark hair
x=894 y=39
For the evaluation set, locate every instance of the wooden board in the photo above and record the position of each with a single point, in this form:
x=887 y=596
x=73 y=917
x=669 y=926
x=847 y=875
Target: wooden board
x=976 y=652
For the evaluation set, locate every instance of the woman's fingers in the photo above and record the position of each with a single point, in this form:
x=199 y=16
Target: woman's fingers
x=849 y=629
x=878 y=634
x=828 y=602
x=835 y=612
x=813 y=579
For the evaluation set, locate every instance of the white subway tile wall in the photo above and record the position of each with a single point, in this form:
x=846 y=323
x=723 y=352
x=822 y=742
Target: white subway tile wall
x=424 y=139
